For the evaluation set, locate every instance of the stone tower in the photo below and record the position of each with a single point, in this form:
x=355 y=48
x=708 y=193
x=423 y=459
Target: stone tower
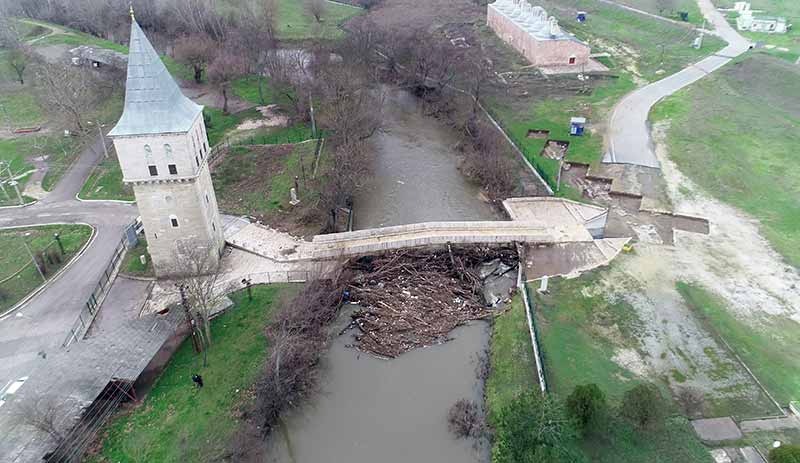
x=162 y=148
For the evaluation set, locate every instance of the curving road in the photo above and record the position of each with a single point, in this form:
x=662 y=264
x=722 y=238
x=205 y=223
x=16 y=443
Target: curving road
x=629 y=139
x=33 y=334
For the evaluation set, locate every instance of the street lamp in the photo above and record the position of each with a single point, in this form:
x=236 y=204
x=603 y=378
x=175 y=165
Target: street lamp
x=247 y=282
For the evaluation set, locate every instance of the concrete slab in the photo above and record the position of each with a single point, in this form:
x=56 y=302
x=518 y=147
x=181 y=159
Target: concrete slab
x=571 y=259
x=750 y=455
x=717 y=429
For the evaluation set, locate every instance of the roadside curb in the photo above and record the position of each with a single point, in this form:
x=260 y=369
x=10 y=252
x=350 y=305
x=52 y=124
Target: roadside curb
x=20 y=206
x=58 y=274
x=118 y=201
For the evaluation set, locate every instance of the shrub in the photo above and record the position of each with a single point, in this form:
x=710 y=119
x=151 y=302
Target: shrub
x=586 y=405
x=785 y=454
x=643 y=405
x=465 y=419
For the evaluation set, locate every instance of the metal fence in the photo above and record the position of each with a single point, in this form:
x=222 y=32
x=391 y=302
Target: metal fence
x=89 y=310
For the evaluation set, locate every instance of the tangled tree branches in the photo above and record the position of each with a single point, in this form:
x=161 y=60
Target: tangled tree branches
x=297 y=335
x=412 y=299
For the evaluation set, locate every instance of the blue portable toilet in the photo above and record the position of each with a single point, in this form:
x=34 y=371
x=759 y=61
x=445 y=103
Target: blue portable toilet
x=581 y=17
x=577 y=126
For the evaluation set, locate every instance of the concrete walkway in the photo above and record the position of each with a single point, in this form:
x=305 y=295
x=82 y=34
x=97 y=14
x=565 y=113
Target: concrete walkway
x=629 y=139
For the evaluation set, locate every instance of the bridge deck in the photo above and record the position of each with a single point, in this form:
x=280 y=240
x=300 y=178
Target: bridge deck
x=534 y=220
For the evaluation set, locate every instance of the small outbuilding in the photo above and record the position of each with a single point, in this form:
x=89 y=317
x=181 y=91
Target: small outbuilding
x=576 y=126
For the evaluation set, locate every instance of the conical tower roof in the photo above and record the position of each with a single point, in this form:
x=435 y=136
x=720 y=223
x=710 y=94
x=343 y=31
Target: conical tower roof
x=153 y=101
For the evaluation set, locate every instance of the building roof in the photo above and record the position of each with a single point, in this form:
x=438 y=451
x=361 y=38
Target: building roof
x=532 y=19
x=153 y=101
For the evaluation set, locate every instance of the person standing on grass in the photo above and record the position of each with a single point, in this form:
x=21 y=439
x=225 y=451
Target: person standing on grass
x=198 y=381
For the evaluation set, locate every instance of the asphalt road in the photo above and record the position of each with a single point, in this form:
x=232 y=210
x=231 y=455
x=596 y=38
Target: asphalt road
x=629 y=139
x=35 y=332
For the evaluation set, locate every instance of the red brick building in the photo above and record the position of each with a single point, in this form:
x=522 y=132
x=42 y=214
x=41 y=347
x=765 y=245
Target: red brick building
x=539 y=38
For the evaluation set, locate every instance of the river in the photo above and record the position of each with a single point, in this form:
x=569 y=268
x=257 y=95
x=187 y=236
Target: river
x=373 y=410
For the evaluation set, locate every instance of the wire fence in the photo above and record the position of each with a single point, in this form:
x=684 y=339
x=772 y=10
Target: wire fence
x=95 y=300
x=530 y=316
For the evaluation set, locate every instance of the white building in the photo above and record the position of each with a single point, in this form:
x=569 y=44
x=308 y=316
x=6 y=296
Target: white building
x=162 y=149
x=769 y=24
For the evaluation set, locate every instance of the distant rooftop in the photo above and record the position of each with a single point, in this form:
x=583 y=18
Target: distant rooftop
x=153 y=101
x=533 y=19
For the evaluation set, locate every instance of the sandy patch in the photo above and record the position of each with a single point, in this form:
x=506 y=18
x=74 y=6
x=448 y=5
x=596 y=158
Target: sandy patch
x=270 y=118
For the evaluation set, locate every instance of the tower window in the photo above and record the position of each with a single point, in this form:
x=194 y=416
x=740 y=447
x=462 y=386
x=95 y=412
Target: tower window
x=153 y=170
x=173 y=169
x=571 y=60
x=207 y=201
x=213 y=227
x=173 y=219
x=197 y=160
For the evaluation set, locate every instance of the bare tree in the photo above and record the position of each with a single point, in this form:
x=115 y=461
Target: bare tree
x=70 y=90
x=18 y=60
x=197 y=275
x=489 y=160
x=44 y=415
x=316 y=8
x=200 y=16
x=196 y=50
x=227 y=66
x=289 y=78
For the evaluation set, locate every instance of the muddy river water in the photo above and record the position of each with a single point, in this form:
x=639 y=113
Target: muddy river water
x=373 y=410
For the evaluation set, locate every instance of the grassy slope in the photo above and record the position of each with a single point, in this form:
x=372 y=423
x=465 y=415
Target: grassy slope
x=651 y=6
x=735 y=134
x=264 y=197
x=513 y=368
x=132 y=265
x=14 y=256
x=105 y=182
x=769 y=347
x=178 y=422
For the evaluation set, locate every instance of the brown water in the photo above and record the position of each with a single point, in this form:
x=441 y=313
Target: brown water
x=372 y=410
x=416 y=178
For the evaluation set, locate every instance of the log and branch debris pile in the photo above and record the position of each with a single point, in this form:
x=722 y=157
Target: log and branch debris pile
x=414 y=298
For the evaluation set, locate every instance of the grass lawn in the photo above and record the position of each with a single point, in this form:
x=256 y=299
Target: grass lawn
x=246 y=88
x=768 y=345
x=178 y=422
x=132 y=264
x=652 y=6
x=513 y=367
x=218 y=124
x=105 y=182
x=554 y=115
x=14 y=257
x=293 y=23
x=763 y=439
x=735 y=134
x=575 y=348
x=18 y=107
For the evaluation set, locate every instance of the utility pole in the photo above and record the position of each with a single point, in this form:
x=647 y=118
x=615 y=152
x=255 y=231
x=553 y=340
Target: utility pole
x=313 y=121
x=33 y=259
x=102 y=139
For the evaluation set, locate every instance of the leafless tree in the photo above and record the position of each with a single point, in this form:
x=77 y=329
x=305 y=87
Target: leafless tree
x=198 y=276
x=18 y=60
x=489 y=161
x=197 y=51
x=44 y=415
x=71 y=90
x=200 y=16
x=289 y=78
x=227 y=66
x=349 y=168
x=315 y=8
x=297 y=335
x=254 y=37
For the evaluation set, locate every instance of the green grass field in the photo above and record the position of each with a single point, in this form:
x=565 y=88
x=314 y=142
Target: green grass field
x=14 y=257
x=576 y=349
x=652 y=6
x=768 y=345
x=294 y=23
x=735 y=134
x=105 y=182
x=513 y=367
x=178 y=422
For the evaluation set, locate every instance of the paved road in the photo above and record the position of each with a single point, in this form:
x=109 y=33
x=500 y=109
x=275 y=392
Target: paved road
x=629 y=134
x=30 y=339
